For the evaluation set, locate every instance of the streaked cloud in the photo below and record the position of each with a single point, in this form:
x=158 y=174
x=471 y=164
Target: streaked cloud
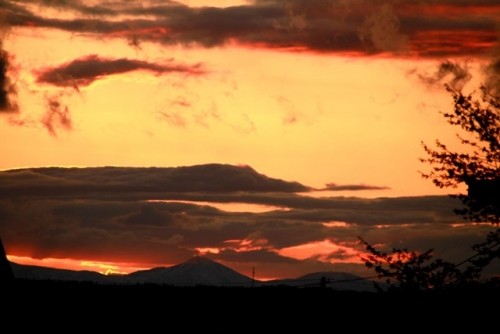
x=87 y=69
x=113 y=181
x=492 y=74
x=366 y=27
x=57 y=115
x=453 y=74
x=352 y=187
x=8 y=89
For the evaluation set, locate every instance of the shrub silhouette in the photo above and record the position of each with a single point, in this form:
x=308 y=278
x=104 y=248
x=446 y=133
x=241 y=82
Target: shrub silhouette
x=411 y=271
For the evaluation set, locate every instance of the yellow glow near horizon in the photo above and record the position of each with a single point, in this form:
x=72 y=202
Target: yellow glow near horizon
x=105 y=268
x=231 y=206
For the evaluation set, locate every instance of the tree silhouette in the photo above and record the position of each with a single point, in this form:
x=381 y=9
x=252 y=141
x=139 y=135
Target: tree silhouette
x=478 y=167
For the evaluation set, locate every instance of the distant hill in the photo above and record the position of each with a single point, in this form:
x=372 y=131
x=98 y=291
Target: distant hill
x=45 y=273
x=334 y=280
x=194 y=272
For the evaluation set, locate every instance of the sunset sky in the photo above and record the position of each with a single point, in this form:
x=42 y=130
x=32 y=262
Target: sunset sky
x=335 y=95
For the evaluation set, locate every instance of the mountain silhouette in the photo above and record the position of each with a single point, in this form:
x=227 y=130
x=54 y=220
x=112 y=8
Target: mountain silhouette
x=46 y=273
x=196 y=271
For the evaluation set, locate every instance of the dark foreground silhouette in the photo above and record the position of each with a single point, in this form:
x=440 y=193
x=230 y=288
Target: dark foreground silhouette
x=6 y=275
x=146 y=308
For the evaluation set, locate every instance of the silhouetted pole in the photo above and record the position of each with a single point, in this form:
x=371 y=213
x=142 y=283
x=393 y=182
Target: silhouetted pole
x=323 y=281
x=6 y=274
x=253 y=277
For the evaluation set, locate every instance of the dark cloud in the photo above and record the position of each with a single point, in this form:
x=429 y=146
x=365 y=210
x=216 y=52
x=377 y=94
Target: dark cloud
x=382 y=29
x=224 y=184
x=75 y=5
x=435 y=209
x=413 y=28
x=162 y=233
x=375 y=212
x=210 y=183
x=8 y=89
x=352 y=187
x=492 y=75
x=85 y=70
x=453 y=74
x=255 y=256
x=152 y=182
x=89 y=213
x=149 y=215
x=99 y=230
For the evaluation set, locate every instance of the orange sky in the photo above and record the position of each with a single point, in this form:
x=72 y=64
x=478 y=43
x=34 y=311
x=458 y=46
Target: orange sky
x=315 y=116
x=331 y=113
